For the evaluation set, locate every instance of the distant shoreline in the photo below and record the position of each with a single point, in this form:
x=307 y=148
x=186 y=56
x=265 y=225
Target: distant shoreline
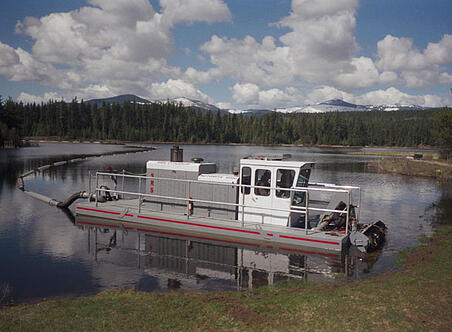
x=123 y=142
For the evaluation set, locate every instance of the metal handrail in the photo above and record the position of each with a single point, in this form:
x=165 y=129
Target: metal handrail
x=340 y=189
x=296 y=209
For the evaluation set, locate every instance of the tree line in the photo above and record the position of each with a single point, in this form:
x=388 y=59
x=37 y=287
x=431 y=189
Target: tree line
x=168 y=122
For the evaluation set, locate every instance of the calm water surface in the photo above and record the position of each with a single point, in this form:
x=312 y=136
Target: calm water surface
x=43 y=254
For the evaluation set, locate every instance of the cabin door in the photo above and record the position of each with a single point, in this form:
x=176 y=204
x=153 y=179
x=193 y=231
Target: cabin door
x=284 y=178
x=258 y=198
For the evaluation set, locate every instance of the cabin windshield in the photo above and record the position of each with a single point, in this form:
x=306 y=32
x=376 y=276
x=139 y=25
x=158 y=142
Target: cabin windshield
x=303 y=180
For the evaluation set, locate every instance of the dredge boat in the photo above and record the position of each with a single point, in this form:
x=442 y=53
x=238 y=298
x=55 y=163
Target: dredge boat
x=269 y=200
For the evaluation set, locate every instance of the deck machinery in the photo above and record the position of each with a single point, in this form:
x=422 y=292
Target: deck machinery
x=269 y=200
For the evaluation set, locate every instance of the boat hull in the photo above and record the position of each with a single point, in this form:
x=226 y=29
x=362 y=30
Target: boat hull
x=127 y=212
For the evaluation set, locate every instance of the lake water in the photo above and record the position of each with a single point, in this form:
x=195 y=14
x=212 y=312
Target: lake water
x=44 y=255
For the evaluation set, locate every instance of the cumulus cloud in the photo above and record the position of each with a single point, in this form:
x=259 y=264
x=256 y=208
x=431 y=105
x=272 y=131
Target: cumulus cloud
x=108 y=46
x=177 y=88
x=417 y=69
x=395 y=96
x=116 y=46
x=245 y=93
x=224 y=105
x=19 y=65
x=323 y=93
x=250 y=61
x=321 y=48
x=364 y=74
x=376 y=97
x=251 y=95
x=189 y=11
x=322 y=40
x=30 y=98
x=197 y=76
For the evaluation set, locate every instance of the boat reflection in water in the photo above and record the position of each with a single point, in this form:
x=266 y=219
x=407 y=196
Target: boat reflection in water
x=197 y=261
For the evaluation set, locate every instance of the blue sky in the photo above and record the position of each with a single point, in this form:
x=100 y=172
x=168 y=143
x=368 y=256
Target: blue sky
x=235 y=54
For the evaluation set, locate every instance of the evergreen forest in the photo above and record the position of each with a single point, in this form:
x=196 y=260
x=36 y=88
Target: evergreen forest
x=167 y=122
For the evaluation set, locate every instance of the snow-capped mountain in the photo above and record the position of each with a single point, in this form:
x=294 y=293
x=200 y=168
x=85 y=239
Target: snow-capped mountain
x=193 y=103
x=338 y=105
x=119 y=100
x=334 y=105
x=396 y=107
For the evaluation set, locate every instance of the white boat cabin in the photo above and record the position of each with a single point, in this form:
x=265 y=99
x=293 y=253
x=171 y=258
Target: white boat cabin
x=270 y=178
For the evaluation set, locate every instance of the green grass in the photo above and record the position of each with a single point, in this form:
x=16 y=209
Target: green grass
x=418 y=299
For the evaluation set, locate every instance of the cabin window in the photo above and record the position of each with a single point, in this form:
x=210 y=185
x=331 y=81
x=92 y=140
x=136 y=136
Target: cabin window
x=262 y=179
x=303 y=180
x=284 y=179
x=246 y=180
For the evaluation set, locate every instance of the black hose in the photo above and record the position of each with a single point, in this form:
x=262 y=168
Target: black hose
x=69 y=214
x=71 y=199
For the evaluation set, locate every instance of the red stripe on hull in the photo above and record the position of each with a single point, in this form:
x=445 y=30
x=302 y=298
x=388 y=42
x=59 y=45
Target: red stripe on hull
x=200 y=225
x=211 y=226
x=198 y=237
x=309 y=240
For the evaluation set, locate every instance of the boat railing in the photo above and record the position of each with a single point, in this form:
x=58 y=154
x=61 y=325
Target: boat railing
x=189 y=201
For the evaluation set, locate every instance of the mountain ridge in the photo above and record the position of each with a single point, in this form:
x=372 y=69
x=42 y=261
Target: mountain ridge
x=332 y=105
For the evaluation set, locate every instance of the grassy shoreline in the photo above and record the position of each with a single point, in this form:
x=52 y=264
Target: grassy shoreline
x=438 y=169
x=417 y=298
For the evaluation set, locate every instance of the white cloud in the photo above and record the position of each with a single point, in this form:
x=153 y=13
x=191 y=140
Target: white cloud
x=250 y=95
x=440 y=53
x=363 y=75
x=376 y=97
x=275 y=97
x=110 y=46
x=126 y=29
x=416 y=68
x=319 y=47
x=189 y=11
x=398 y=54
x=30 y=98
x=245 y=93
x=177 y=88
x=9 y=57
x=322 y=93
x=322 y=40
x=196 y=76
x=313 y=9
x=224 y=105
x=118 y=46
x=395 y=96
x=250 y=61
x=19 y=65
